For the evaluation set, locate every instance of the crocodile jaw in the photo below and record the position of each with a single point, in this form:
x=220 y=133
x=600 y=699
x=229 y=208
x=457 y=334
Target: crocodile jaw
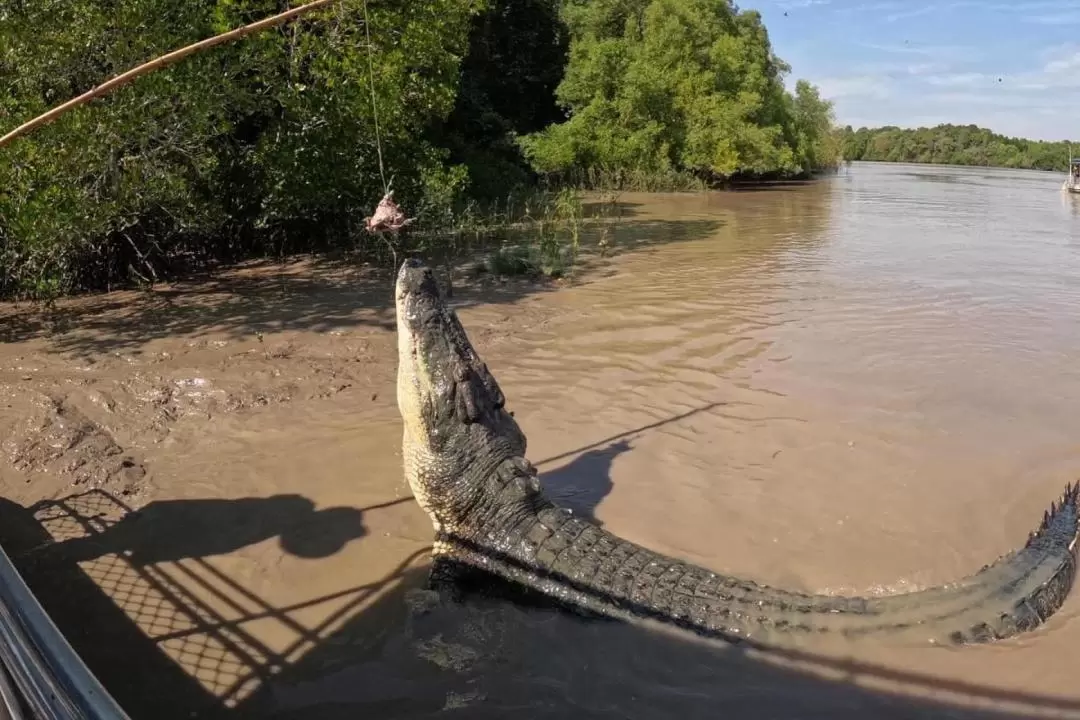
x=456 y=430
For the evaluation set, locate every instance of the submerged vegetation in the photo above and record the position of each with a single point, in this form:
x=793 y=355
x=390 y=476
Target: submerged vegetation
x=952 y=145
x=284 y=141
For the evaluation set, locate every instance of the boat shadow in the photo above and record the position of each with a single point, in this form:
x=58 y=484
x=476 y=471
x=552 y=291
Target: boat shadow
x=172 y=636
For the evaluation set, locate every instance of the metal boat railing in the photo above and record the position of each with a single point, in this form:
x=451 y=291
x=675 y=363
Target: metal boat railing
x=41 y=676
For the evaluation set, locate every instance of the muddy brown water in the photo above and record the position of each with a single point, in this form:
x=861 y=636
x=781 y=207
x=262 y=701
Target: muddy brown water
x=863 y=385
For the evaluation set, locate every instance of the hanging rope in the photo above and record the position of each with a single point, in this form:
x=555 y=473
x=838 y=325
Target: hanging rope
x=387 y=216
x=374 y=104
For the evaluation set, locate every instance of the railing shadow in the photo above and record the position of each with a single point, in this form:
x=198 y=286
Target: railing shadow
x=160 y=623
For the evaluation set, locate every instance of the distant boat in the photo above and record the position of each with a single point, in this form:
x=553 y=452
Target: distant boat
x=1072 y=183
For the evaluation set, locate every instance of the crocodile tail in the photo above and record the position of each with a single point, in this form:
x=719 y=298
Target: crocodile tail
x=1061 y=523
x=1049 y=562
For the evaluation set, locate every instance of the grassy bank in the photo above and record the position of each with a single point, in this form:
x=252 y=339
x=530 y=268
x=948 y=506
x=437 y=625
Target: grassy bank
x=537 y=233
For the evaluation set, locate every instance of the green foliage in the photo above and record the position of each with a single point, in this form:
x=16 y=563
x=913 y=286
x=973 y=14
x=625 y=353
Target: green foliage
x=817 y=144
x=543 y=234
x=666 y=88
x=952 y=145
x=517 y=52
x=270 y=145
x=263 y=145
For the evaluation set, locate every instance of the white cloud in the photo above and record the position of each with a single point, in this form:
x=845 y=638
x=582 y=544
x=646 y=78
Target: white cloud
x=960 y=79
x=904 y=14
x=1036 y=101
x=885 y=75
x=900 y=68
x=940 y=53
x=1018 y=120
x=1034 y=5
x=1066 y=18
x=999 y=101
x=924 y=68
x=1044 y=12
x=1059 y=72
x=1061 y=59
x=795 y=4
x=865 y=86
x=872 y=7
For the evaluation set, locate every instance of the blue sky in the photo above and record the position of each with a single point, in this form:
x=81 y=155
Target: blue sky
x=1013 y=67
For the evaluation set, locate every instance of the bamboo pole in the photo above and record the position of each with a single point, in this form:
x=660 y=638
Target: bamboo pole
x=161 y=62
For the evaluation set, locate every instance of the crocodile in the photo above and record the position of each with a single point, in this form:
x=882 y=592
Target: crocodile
x=464 y=456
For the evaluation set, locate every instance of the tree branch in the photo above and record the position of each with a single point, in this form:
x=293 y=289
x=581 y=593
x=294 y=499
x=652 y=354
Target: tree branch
x=161 y=62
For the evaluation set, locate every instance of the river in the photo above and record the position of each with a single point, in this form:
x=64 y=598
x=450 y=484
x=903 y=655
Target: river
x=862 y=385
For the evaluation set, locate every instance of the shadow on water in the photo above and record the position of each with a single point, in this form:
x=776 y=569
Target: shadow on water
x=626 y=237
x=141 y=599
x=381 y=653
x=328 y=293
x=611 y=208
x=586 y=480
x=773 y=185
x=557 y=664
x=630 y=433
x=172 y=530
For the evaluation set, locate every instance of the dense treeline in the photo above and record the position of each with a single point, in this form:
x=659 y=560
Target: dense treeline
x=269 y=144
x=657 y=87
x=952 y=145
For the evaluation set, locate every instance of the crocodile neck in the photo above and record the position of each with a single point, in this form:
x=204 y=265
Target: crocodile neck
x=531 y=542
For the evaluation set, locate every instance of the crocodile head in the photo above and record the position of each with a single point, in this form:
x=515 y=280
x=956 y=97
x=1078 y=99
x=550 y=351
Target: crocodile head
x=457 y=431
